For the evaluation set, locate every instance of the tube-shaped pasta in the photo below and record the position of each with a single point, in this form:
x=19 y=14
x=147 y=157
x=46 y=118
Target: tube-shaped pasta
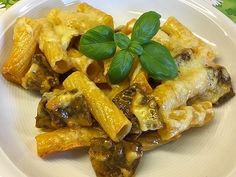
x=140 y=77
x=111 y=119
x=66 y=34
x=78 y=60
x=127 y=29
x=50 y=45
x=185 y=117
x=182 y=38
x=25 y=39
x=94 y=69
x=66 y=139
x=84 y=19
x=101 y=16
x=174 y=93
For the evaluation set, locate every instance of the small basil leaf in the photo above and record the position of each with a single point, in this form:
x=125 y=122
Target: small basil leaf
x=146 y=27
x=121 y=40
x=136 y=48
x=120 y=66
x=158 y=62
x=98 y=43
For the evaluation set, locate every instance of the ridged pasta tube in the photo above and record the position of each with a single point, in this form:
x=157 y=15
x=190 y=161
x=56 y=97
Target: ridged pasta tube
x=111 y=119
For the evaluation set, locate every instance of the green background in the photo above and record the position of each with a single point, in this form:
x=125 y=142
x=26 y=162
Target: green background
x=228 y=7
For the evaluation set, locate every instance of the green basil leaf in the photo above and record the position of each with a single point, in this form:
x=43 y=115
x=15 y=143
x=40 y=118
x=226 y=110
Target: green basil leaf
x=136 y=48
x=120 y=66
x=146 y=27
x=158 y=62
x=121 y=40
x=98 y=43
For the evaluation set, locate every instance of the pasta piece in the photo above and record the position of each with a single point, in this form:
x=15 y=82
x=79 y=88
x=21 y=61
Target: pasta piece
x=66 y=139
x=192 y=80
x=180 y=38
x=95 y=72
x=140 y=77
x=79 y=61
x=115 y=89
x=111 y=159
x=50 y=45
x=84 y=19
x=185 y=117
x=66 y=34
x=92 y=68
x=100 y=16
x=127 y=29
x=107 y=64
x=111 y=119
x=25 y=40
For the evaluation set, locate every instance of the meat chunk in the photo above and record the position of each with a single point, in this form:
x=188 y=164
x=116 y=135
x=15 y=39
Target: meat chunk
x=40 y=76
x=63 y=108
x=111 y=159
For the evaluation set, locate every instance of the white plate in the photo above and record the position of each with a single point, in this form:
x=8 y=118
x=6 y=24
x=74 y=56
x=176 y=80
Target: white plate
x=205 y=152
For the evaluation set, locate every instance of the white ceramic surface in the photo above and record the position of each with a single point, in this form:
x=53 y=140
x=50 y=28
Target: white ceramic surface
x=204 y=152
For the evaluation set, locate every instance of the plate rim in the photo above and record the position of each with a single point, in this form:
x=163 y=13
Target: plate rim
x=7 y=18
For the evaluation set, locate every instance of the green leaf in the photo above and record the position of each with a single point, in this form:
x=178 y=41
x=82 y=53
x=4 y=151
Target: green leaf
x=98 y=43
x=121 y=40
x=158 y=62
x=120 y=66
x=135 y=48
x=146 y=27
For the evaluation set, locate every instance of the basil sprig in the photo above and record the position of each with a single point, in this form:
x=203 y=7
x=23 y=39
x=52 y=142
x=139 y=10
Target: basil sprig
x=100 y=43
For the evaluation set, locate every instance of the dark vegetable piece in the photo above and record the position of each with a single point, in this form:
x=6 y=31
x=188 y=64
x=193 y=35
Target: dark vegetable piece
x=63 y=108
x=111 y=159
x=149 y=140
x=221 y=89
x=40 y=76
x=183 y=57
x=139 y=108
x=98 y=43
x=123 y=101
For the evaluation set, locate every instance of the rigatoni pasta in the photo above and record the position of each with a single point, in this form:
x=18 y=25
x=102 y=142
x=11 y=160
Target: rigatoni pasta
x=111 y=119
x=66 y=139
x=50 y=45
x=185 y=117
x=25 y=38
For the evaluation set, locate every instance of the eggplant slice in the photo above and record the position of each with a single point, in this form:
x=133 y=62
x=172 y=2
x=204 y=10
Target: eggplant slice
x=63 y=108
x=110 y=159
x=40 y=77
x=139 y=108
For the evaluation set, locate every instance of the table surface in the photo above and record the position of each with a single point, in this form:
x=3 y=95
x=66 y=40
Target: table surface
x=228 y=7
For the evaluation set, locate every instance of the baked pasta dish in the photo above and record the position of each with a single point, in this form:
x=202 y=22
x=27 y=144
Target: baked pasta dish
x=117 y=91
